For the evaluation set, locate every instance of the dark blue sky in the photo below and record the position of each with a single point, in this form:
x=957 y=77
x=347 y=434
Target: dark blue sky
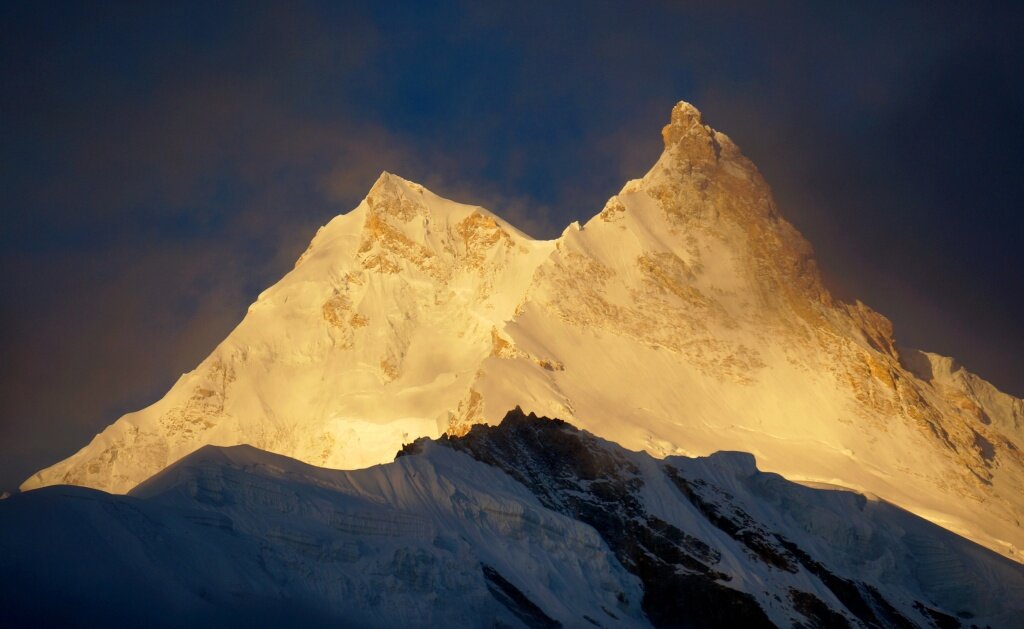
x=163 y=163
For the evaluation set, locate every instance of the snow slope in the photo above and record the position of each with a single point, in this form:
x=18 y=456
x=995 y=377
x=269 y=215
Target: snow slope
x=531 y=523
x=686 y=317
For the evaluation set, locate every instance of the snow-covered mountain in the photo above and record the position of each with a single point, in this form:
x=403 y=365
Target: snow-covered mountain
x=686 y=317
x=532 y=523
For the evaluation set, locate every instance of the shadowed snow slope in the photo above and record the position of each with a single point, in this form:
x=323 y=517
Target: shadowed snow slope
x=684 y=318
x=531 y=523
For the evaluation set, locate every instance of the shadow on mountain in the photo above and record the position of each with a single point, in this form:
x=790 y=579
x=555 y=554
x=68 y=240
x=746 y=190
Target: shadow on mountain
x=529 y=523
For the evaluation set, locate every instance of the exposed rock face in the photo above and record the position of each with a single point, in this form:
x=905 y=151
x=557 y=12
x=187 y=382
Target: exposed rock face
x=683 y=526
x=686 y=317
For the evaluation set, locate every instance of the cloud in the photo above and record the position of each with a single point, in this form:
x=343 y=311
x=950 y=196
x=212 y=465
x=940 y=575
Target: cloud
x=97 y=335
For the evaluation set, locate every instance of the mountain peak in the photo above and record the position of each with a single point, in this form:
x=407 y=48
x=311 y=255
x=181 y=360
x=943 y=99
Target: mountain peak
x=686 y=317
x=393 y=195
x=685 y=113
x=383 y=178
x=687 y=134
x=389 y=180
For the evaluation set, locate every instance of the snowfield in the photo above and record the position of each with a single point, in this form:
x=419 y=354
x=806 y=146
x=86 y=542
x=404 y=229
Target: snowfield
x=532 y=523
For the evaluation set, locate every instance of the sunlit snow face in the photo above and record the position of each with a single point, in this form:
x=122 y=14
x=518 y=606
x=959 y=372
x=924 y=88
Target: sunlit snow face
x=687 y=316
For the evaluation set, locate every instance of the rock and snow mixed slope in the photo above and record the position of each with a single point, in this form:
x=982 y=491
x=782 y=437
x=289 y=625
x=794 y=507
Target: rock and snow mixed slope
x=529 y=523
x=686 y=317
x=371 y=341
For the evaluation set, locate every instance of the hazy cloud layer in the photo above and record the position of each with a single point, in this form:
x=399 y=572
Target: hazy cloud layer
x=162 y=164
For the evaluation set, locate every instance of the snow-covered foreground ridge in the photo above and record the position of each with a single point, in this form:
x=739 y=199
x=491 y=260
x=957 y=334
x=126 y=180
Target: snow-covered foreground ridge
x=529 y=523
x=686 y=317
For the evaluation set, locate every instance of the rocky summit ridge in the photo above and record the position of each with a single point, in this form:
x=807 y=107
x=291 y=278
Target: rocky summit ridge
x=686 y=317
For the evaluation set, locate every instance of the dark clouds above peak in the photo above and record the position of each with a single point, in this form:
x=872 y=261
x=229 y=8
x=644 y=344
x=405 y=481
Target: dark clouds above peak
x=164 y=162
